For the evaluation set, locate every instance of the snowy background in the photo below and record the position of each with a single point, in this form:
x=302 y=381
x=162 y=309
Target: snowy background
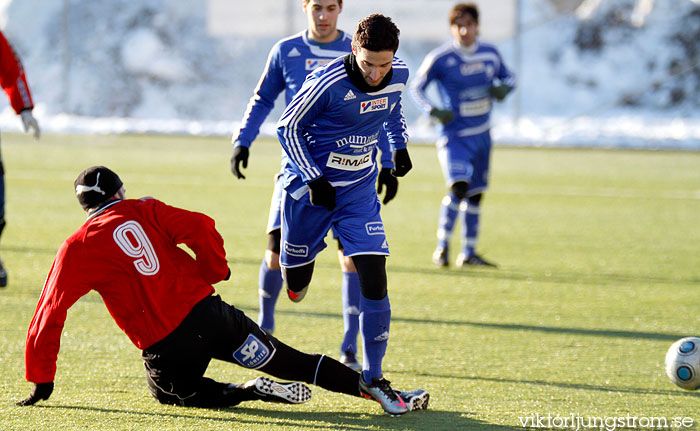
x=604 y=73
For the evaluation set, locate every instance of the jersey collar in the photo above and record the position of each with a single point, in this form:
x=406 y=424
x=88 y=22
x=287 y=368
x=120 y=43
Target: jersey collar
x=469 y=50
x=355 y=75
x=102 y=208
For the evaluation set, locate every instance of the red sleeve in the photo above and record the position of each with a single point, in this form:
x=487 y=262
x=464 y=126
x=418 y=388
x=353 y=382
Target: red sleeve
x=198 y=232
x=44 y=336
x=12 y=78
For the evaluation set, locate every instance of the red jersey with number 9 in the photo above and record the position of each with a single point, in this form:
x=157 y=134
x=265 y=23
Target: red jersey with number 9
x=128 y=252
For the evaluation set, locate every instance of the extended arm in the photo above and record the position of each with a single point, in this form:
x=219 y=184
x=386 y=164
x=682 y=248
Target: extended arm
x=14 y=83
x=270 y=85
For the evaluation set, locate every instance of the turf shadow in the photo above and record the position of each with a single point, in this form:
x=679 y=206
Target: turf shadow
x=565 y=385
x=612 y=333
x=420 y=420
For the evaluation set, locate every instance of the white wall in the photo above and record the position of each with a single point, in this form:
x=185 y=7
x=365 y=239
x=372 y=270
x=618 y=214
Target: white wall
x=417 y=19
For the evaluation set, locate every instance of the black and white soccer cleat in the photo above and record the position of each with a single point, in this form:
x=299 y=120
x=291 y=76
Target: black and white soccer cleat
x=269 y=390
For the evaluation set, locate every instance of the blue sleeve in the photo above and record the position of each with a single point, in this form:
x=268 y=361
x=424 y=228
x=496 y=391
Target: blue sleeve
x=384 y=148
x=426 y=74
x=271 y=84
x=395 y=127
x=504 y=75
x=301 y=111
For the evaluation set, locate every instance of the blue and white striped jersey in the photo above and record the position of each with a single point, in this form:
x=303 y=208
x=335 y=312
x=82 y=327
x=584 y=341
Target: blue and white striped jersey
x=463 y=78
x=331 y=127
x=288 y=64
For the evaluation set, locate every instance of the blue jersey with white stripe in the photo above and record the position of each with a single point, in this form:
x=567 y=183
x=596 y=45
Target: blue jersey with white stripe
x=463 y=78
x=288 y=64
x=331 y=127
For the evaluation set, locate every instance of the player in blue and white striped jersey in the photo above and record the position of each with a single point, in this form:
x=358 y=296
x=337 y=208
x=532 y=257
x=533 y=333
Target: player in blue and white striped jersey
x=288 y=64
x=329 y=132
x=469 y=74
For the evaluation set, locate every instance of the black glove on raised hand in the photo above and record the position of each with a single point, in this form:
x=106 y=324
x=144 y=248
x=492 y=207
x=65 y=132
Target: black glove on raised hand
x=322 y=193
x=240 y=156
x=444 y=116
x=499 y=92
x=392 y=184
x=402 y=163
x=40 y=391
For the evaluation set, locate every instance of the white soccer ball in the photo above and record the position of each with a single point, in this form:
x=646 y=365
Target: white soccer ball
x=683 y=363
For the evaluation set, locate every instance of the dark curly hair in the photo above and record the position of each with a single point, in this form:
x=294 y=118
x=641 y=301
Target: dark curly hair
x=376 y=33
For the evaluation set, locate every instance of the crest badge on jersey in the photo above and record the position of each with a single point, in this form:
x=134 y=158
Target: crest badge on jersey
x=313 y=63
x=374 y=105
x=253 y=353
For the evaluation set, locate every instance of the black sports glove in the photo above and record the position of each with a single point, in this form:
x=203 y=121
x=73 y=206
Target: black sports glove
x=444 y=116
x=499 y=92
x=40 y=391
x=240 y=155
x=402 y=163
x=392 y=184
x=322 y=193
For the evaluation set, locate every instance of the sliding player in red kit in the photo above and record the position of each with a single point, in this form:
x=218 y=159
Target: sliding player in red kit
x=163 y=299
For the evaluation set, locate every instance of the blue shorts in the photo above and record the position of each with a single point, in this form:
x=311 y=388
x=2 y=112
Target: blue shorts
x=275 y=216
x=466 y=159
x=355 y=220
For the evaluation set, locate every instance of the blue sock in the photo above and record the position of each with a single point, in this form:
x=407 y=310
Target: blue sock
x=351 y=311
x=375 y=316
x=470 y=228
x=269 y=283
x=448 y=214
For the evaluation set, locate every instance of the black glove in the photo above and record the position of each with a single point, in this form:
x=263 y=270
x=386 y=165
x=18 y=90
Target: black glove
x=444 y=116
x=392 y=184
x=322 y=193
x=240 y=155
x=402 y=163
x=499 y=92
x=40 y=391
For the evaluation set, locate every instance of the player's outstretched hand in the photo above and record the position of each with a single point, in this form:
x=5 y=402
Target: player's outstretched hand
x=499 y=92
x=444 y=116
x=322 y=193
x=402 y=163
x=392 y=185
x=30 y=122
x=240 y=157
x=40 y=391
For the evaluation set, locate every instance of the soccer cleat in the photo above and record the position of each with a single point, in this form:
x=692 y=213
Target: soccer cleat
x=271 y=391
x=415 y=400
x=473 y=260
x=441 y=257
x=3 y=275
x=380 y=390
x=297 y=296
x=348 y=359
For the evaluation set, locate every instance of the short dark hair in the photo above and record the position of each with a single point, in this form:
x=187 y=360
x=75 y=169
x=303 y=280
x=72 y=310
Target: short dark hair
x=376 y=33
x=461 y=9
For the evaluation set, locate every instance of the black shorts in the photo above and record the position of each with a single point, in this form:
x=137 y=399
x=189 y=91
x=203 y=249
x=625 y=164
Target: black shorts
x=212 y=330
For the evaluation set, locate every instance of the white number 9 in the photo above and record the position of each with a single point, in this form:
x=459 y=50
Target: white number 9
x=137 y=246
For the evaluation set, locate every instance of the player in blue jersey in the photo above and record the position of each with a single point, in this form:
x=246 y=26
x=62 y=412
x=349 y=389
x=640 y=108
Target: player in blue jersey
x=329 y=132
x=469 y=75
x=290 y=60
